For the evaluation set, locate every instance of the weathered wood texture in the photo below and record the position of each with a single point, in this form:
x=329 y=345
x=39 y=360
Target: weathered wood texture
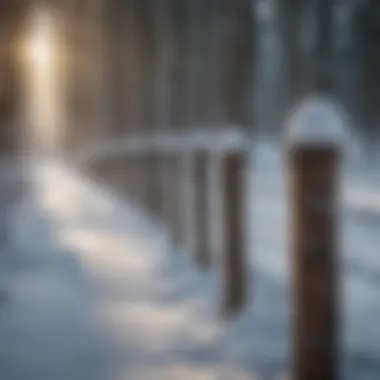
x=314 y=259
x=202 y=247
x=234 y=266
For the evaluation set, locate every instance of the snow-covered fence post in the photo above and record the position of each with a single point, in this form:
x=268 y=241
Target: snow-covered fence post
x=234 y=267
x=315 y=135
x=202 y=251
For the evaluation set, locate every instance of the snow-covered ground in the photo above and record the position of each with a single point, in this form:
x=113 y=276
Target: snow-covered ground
x=92 y=290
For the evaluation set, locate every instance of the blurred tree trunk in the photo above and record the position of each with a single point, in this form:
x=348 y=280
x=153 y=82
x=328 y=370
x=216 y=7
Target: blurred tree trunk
x=200 y=46
x=193 y=64
x=375 y=13
x=144 y=14
x=11 y=181
x=115 y=65
x=324 y=40
x=369 y=92
x=291 y=14
x=239 y=63
x=80 y=32
x=179 y=23
x=324 y=28
x=164 y=62
x=130 y=65
x=368 y=21
x=366 y=18
x=213 y=60
x=11 y=23
x=133 y=106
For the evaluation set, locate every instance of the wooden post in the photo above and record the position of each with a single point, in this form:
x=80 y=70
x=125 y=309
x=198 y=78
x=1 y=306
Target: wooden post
x=314 y=164
x=135 y=184
x=234 y=271
x=138 y=177
x=170 y=194
x=154 y=194
x=176 y=185
x=126 y=163
x=202 y=250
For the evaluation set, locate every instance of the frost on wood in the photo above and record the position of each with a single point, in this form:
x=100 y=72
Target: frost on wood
x=317 y=120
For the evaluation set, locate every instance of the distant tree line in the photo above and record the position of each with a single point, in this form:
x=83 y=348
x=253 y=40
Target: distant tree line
x=168 y=63
x=139 y=65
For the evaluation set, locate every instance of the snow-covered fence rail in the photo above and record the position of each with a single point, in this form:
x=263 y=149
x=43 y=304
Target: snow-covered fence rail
x=164 y=142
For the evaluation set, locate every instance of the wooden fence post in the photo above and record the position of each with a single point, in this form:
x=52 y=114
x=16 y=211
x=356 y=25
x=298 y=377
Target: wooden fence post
x=130 y=176
x=314 y=163
x=234 y=265
x=171 y=208
x=167 y=189
x=202 y=249
x=154 y=201
x=177 y=194
x=140 y=180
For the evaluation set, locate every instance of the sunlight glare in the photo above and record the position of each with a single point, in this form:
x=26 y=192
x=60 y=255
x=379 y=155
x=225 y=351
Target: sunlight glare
x=40 y=50
x=44 y=110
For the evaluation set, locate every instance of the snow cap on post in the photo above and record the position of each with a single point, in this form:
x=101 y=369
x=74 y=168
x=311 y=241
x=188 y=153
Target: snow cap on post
x=316 y=122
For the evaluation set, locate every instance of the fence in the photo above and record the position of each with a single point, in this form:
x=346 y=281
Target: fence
x=313 y=156
x=153 y=155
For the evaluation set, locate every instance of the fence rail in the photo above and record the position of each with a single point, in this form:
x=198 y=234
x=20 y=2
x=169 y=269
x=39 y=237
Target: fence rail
x=166 y=142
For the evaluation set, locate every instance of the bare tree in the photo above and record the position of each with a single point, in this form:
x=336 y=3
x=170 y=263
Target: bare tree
x=324 y=38
x=11 y=25
x=239 y=62
x=11 y=22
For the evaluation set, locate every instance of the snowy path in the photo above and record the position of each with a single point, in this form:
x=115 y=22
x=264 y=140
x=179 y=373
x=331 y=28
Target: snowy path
x=94 y=292
x=90 y=290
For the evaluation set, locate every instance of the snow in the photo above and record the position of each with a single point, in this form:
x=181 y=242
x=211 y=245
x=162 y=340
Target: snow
x=317 y=120
x=228 y=139
x=92 y=289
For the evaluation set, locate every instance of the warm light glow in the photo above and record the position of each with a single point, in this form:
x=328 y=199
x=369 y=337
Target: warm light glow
x=43 y=78
x=40 y=50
